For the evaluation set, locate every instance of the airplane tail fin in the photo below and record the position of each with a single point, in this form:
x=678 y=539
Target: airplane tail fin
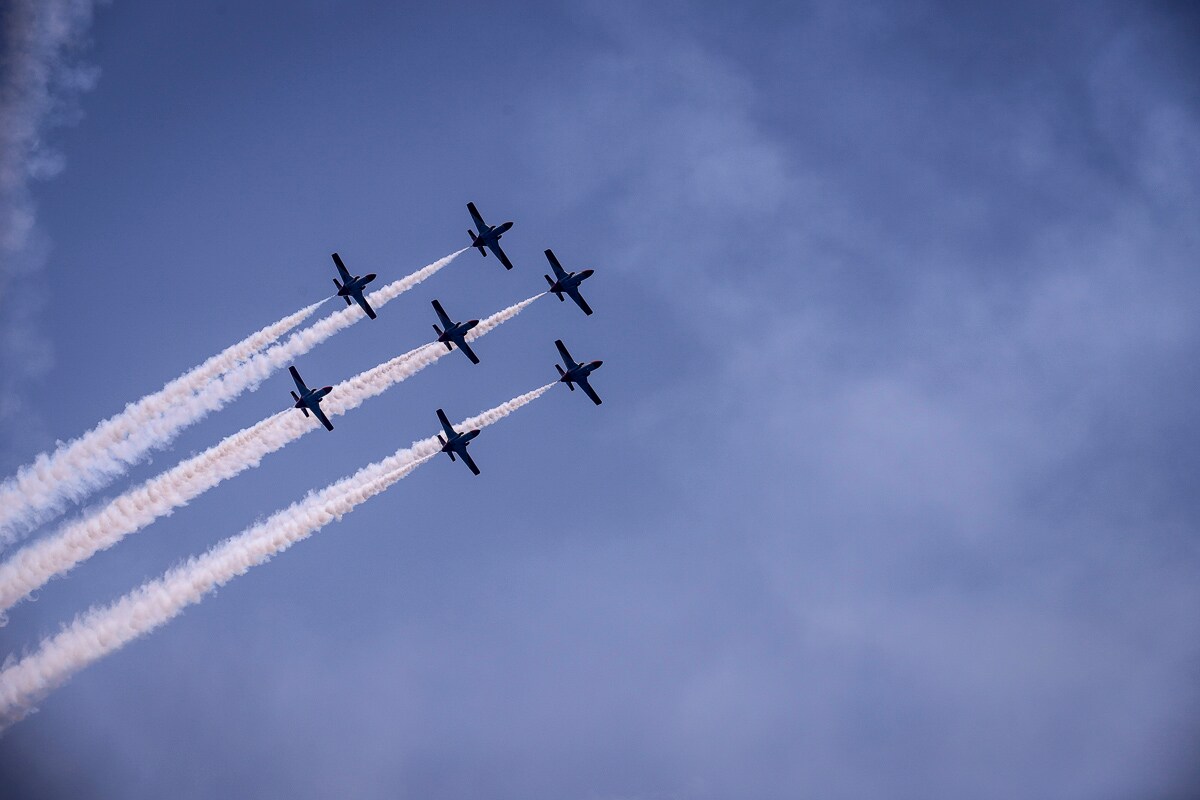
x=447 y=452
x=299 y=405
x=439 y=333
x=562 y=375
x=345 y=297
x=476 y=243
x=557 y=294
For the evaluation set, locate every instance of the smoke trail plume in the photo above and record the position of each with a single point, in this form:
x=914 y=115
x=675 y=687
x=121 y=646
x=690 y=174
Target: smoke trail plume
x=32 y=566
x=101 y=631
x=42 y=489
x=95 y=458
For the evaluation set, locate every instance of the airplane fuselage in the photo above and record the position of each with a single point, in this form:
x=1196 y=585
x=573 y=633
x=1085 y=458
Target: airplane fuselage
x=459 y=441
x=355 y=285
x=580 y=372
x=490 y=234
x=311 y=398
x=571 y=281
x=457 y=330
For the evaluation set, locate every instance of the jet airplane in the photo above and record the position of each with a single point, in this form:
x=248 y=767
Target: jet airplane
x=352 y=286
x=310 y=399
x=489 y=236
x=457 y=442
x=567 y=282
x=576 y=373
x=455 y=332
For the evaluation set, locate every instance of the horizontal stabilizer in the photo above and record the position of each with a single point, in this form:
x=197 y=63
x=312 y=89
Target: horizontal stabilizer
x=476 y=243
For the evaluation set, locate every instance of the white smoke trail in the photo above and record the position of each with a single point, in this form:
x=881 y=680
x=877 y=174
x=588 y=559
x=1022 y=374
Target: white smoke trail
x=253 y=371
x=32 y=566
x=93 y=460
x=101 y=631
x=75 y=469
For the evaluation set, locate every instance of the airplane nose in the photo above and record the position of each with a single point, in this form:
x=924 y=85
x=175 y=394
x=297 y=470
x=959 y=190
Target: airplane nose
x=587 y=273
x=597 y=364
x=369 y=278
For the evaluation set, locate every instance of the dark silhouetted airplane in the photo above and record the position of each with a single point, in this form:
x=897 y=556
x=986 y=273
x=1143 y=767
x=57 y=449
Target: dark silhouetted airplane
x=489 y=236
x=352 y=286
x=567 y=282
x=456 y=442
x=576 y=373
x=455 y=332
x=310 y=399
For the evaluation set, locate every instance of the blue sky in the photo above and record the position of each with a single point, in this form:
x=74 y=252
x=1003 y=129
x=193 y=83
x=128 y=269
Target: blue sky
x=893 y=492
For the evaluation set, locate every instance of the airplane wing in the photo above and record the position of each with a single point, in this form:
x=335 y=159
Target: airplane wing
x=461 y=341
x=479 y=224
x=495 y=248
x=446 y=322
x=362 y=301
x=588 y=390
x=562 y=351
x=315 y=408
x=450 y=434
x=299 y=381
x=579 y=301
x=468 y=461
x=341 y=268
x=559 y=272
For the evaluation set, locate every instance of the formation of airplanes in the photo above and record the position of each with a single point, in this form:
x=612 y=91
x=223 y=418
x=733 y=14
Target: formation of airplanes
x=453 y=334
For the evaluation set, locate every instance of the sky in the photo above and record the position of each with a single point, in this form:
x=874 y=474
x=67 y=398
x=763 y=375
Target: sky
x=893 y=492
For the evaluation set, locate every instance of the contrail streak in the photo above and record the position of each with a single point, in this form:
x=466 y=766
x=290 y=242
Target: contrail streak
x=103 y=630
x=32 y=566
x=42 y=489
x=53 y=480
